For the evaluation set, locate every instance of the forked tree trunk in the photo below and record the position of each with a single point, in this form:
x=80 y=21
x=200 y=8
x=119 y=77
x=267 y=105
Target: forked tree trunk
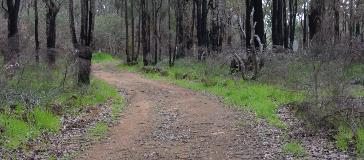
x=86 y=40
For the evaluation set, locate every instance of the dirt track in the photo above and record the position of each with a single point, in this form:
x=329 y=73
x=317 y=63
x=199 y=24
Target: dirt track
x=163 y=121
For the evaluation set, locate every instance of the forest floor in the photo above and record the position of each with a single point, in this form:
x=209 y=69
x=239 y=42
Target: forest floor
x=163 y=121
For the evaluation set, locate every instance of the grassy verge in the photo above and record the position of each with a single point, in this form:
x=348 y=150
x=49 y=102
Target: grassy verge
x=263 y=99
x=35 y=98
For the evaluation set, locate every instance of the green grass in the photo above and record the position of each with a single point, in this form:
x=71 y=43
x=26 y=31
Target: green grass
x=358 y=91
x=263 y=99
x=100 y=57
x=360 y=143
x=343 y=138
x=46 y=120
x=295 y=149
x=16 y=132
x=98 y=132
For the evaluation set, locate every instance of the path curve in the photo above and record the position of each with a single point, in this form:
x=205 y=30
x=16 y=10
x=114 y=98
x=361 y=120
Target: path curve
x=163 y=121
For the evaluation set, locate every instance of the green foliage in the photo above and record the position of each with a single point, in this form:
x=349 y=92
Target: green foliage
x=358 y=91
x=98 y=132
x=360 y=143
x=16 y=132
x=101 y=57
x=295 y=149
x=262 y=98
x=45 y=120
x=343 y=138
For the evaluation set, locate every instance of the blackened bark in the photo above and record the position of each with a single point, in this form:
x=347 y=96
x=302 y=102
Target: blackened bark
x=53 y=9
x=86 y=39
x=315 y=17
x=13 y=38
x=144 y=31
x=36 y=30
x=180 y=51
x=285 y=25
x=202 y=32
x=72 y=24
x=292 y=21
x=258 y=18
x=128 y=57
x=133 y=56
x=170 y=34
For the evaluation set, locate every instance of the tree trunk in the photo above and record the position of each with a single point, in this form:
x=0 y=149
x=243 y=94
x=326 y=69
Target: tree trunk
x=202 y=32
x=86 y=40
x=315 y=17
x=13 y=38
x=72 y=24
x=36 y=31
x=51 y=31
x=128 y=57
x=258 y=18
x=133 y=56
x=144 y=31
x=170 y=34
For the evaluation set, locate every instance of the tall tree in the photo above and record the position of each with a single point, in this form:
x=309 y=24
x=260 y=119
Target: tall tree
x=12 y=13
x=317 y=8
x=144 y=34
x=133 y=54
x=86 y=40
x=53 y=9
x=36 y=30
x=292 y=21
x=128 y=57
x=72 y=24
x=277 y=23
x=202 y=32
x=258 y=18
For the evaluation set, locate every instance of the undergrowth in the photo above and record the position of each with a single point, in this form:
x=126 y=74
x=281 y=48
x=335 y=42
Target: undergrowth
x=35 y=98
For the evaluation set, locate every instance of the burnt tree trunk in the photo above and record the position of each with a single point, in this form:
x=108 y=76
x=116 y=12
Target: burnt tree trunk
x=144 y=38
x=258 y=18
x=13 y=38
x=170 y=35
x=133 y=55
x=86 y=40
x=36 y=30
x=72 y=24
x=53 y=9
x=202 y=32
x=315 y=17
x=128 y=57
x=292 y=21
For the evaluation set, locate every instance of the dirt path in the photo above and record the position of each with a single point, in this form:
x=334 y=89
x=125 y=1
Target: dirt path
x=163 y=121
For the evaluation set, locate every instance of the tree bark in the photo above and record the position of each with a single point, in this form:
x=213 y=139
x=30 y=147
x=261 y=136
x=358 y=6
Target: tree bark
x=72 y=24
x=128 y=57
x=86 y=40
x=13 y=38
x=258 y=18
x=51 y=32
x=36 y=30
